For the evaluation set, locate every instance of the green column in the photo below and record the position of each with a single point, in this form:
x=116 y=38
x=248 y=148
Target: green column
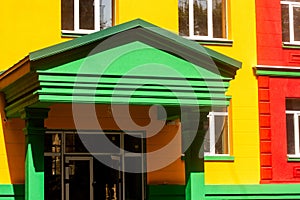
x=34 y=162
x=194 y=156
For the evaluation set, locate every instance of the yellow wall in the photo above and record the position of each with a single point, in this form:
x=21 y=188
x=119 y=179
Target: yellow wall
x=163 y=13
x=244 y=106
x=34 y=24
x=27 y=26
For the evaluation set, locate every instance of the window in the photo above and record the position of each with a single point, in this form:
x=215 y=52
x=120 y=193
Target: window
x=290 y=14
x=292 y=127
x=202 y=19
x=85 y=16
x=216 y=141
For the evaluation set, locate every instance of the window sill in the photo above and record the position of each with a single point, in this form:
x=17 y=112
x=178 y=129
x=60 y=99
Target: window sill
x=72 y=35
x=212 y=41
x=218 y=158
x=293 y=158
x=287 y=45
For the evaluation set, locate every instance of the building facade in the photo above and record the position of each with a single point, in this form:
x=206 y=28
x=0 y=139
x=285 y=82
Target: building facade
x=173 y=99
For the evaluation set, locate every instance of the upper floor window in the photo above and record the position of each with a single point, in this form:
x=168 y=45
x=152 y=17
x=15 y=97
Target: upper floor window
x=292 y=127
x=216 y=141
x=202 y=19
x=85 y=16
x=290 y=14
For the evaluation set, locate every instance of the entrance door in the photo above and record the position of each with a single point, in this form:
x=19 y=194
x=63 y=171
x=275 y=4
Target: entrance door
x=79 y=178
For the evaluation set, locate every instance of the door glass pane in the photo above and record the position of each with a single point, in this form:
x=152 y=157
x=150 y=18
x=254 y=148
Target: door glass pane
x=96 y=142
x=297 y=23
x=105 y=14
x=52 y=143
x=107 y=177
x=133 y=143
x=79 y=179
x=219 y=19
x=86 y=14
x=183 y=12
x=52 y=178
x=285 y=23
x=67 y=14
x=200 y=18
x=133 y=181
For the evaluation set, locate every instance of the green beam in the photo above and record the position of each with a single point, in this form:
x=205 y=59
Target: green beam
x=132 y=101
x=34 y=162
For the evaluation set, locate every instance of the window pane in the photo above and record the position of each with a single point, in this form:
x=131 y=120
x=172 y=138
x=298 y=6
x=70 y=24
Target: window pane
x=67 y=14
x=200 y=18
x=221 y=135
x=206 y=137
x=297 y=23
x=290 y=133
x=219 y=18
x=285 y=23
x=105 y=14
x=293 y=104
x=86 y=14
x=183 y=11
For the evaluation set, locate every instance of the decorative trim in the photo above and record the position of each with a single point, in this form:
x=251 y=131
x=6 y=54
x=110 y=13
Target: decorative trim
x=218 y=158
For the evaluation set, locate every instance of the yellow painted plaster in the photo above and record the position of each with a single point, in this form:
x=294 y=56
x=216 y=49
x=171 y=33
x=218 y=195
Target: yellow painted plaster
x=244 y=106
x=163 y=13
x=27 y=26
x=35 y=24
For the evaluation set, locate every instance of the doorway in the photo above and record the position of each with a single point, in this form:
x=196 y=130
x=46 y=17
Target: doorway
x=76 y=174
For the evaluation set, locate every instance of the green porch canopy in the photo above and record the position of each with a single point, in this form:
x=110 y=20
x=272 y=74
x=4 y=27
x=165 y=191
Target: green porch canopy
x=133 y=63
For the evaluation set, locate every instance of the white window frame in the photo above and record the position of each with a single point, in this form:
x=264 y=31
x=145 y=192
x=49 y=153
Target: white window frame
x=291 y=5
x=77 y=19
x=210 y=35
x=212 y=134
x=296 y=115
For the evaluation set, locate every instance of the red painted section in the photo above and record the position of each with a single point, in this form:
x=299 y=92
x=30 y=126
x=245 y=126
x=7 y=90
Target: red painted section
x=269 y=36
x=272 y=93
x=274 y=165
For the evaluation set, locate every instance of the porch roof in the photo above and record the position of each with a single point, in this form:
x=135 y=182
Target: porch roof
x=133 y=63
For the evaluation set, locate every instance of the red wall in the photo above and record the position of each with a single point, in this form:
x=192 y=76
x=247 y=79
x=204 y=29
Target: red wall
x=272 y=93
x=269 y=37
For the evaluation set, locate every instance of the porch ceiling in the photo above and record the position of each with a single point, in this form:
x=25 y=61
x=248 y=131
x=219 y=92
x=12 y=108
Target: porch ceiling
x=135 y=63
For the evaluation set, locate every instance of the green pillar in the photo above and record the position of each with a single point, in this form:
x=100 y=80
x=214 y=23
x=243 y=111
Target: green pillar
x=194 y=156
x=34 y=162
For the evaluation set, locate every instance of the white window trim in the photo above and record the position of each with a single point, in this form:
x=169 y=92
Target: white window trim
x=77 y=29
x=212 y=139
x=296 y=115
x=209 y=36
x=291 y=5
